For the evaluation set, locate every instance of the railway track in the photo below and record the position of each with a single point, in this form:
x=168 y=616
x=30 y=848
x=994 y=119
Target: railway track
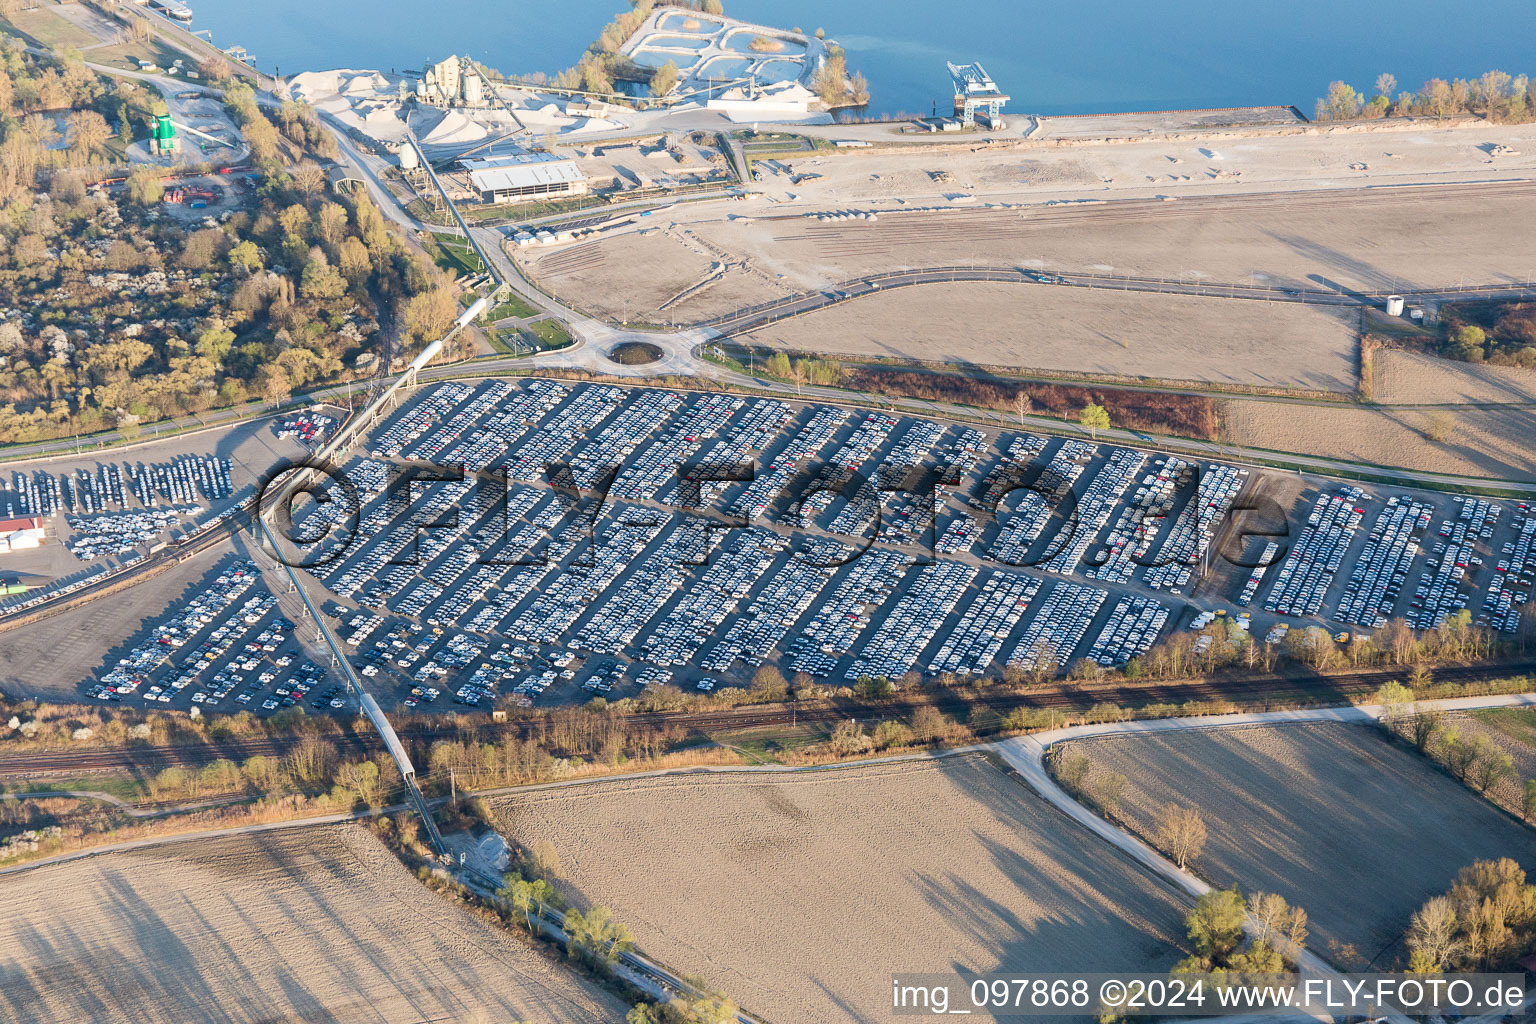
x=1061 y=696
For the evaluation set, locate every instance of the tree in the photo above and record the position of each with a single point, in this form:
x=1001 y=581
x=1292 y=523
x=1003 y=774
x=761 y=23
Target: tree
x=331 y=223
x=309 y=177
x=1341 y=104
x=1490 y=764
x=1386 y=85
x=1022 y=402
x=597 y=935
x=88 y=131
x=145 y=187
x=245 y=255
x=362 y=778
x=595 y=77
x=1215 y=925
x=545 y=862
x=1072 y=768
x=1432 y=940
x=1394 y=699
x=777 y=366
x=768 y=684
x=1180 y=833
x=518 y=892
x=712 y=7
x=1439 y=426
x=664 y=79
x=1424 y=727
x=1107 y=789
x=928 y=724
x=320 y=280
x=1094 y=418
x=275 y=385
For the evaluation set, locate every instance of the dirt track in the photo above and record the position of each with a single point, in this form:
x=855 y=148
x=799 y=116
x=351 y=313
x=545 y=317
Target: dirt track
x=311 y=925
x=1332 y=817
x=800 y=894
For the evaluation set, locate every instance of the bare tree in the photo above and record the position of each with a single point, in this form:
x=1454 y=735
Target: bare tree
x=309 y=178
x=1180 y=833
x=1432 y=937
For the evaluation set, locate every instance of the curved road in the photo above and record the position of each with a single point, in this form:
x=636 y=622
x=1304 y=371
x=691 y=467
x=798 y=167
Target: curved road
x=1026 y=755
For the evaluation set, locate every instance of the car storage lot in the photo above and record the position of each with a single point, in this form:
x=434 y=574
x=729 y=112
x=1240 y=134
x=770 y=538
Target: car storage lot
x=800 y=893
x=440 y=615
x=1334 y=818
x=1050 y=550
x=106 y=508
x=312 y=924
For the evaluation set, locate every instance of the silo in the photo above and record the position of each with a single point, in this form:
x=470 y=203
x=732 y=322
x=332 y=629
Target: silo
x=1394 y=305
x=408 y=160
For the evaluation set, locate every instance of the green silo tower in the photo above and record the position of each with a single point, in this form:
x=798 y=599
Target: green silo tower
x=162 y=141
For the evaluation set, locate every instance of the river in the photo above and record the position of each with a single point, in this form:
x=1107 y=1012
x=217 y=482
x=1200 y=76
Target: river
x=1091 y=55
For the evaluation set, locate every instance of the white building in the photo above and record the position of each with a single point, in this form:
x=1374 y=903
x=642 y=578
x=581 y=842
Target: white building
x=21 y=534
x=505 y=179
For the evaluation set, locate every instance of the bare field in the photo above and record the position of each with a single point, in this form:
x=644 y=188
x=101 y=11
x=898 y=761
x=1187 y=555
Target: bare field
x=1408 y=378
x=314 y=924
x=1198 y=161
x=643 y=276
x=799 y=894
x=1345 y=239
x=1164 y=337
x=1485 y=442
x=1332 y=817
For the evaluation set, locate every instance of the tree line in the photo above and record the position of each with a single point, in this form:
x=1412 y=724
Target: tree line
x=1495 y=95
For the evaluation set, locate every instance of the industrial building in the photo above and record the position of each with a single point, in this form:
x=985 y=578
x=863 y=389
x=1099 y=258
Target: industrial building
x=505 y=179
x=448 y=83
x=976 y=92
x=21 y=534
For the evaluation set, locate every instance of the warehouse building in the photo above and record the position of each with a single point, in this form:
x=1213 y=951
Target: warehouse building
x=21 y=534
x=506 y=179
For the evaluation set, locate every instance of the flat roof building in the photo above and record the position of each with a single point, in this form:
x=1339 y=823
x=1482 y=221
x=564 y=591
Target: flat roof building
x=506 y=179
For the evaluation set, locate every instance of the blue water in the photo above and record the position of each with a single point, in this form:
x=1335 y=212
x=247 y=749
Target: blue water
x=1063 y=57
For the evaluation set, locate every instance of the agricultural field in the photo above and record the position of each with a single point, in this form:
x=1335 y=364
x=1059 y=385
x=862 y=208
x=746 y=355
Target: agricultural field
x=1513 y=730
x=799 y=894
x=1410 y=377
x=1334 y=818
x=1484 y=442
x=314 y=924
x=1076 y=330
